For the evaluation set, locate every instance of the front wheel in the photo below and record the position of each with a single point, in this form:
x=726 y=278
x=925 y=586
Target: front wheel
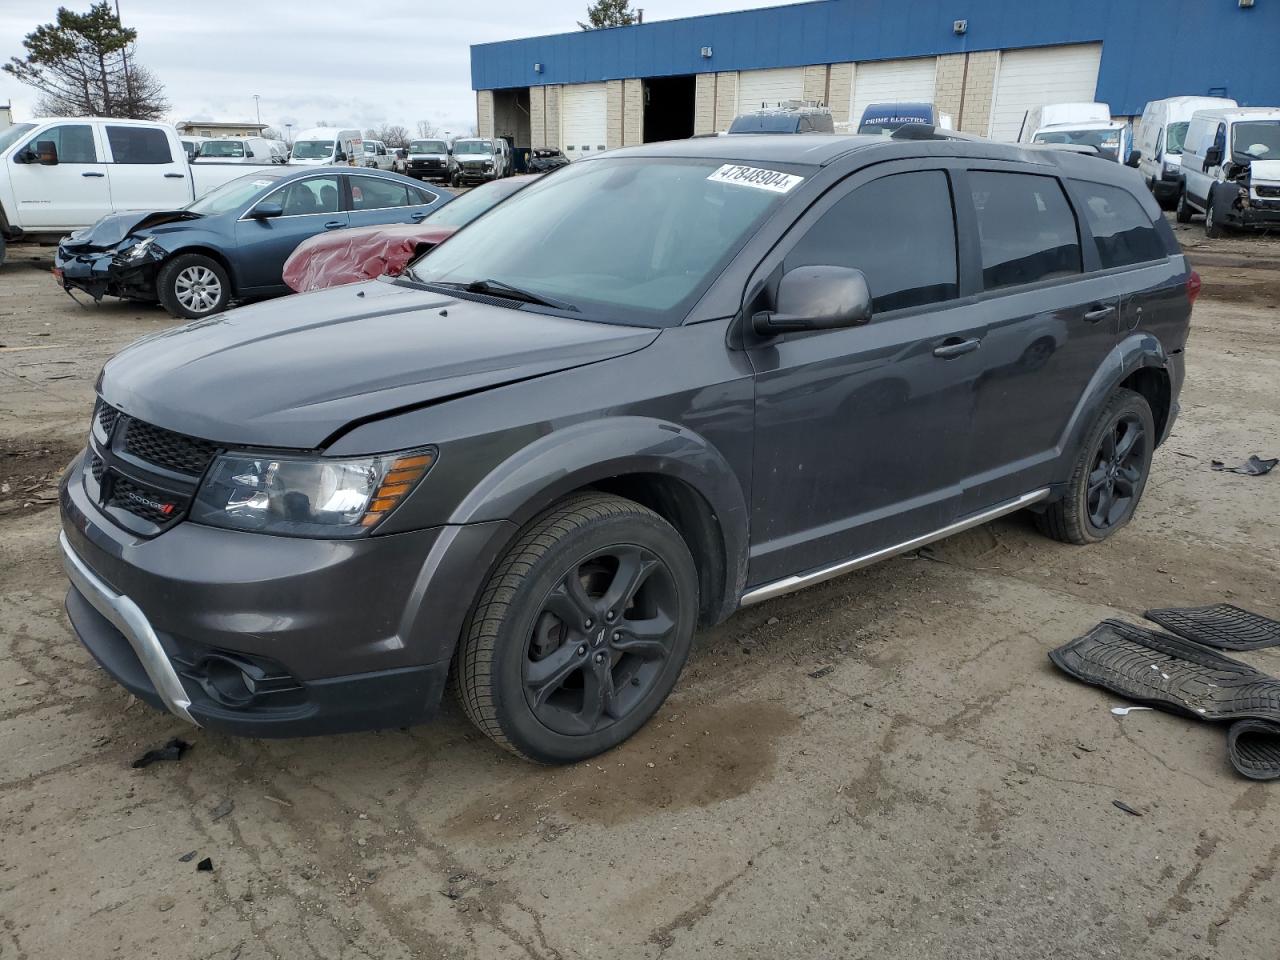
x=1110 y=474
x=581 y=632
x=191 y=286
x=1183 y=211
x=1213 y=228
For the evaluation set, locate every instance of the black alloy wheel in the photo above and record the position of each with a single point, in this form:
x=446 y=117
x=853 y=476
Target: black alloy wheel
x=1117 y=473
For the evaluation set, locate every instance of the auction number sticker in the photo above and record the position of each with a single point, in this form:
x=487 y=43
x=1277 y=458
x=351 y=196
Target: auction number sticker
x=771 y=180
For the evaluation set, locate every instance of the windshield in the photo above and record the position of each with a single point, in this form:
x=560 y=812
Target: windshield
x=1175 y=137
x=460 y=212
x=1256 y=140
x=313 y=149
x=472 y=146
x=231 y=195
x=625 y=240
x=1106 y=139
x=11 y=136
x=222 y=148
x=370 y=147
x=428 y=146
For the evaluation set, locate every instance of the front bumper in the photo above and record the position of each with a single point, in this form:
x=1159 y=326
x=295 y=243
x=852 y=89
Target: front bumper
x=271 y=636
x=1257 y=213
x=1167 y=186
x=102 y=273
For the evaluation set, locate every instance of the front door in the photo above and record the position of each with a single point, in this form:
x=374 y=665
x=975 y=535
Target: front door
x=861 y=433
x=67 y=195
x=311 y=206
x=147 y=172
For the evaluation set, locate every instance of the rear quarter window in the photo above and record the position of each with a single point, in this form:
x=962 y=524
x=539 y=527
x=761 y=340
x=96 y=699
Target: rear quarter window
x=1026 y=229
x=1121 y=229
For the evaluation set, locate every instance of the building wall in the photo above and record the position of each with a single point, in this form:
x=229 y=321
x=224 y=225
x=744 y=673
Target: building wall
x=1140 y=62
x=815 y=83
x=484 y=113
x=553 y=118
x=613 y=114
x=704 y=103
x=538 y=116
x=979 y=92
x=726 y=99
x=840 y=82
x=632 y=112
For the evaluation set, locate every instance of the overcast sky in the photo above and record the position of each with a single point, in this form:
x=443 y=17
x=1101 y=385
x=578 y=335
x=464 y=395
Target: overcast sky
x=380 y=61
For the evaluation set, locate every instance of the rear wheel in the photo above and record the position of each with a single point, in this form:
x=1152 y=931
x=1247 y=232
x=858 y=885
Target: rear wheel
x=1110 y=474
x=581 y=632
x=1183 y=211
x=191 y=286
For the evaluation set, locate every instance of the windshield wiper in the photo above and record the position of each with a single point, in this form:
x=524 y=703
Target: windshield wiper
x=502 y=289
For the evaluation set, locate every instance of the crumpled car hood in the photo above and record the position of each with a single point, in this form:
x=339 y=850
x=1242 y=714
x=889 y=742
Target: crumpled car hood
x=360 y=253
x=295 y=372
x=1267 y=171
x=114 y=227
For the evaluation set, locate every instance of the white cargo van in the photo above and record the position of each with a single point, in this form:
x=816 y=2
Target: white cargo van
x=1157 y=143
x=1077 y=124
x=255 y=150
x=1231 y=169
x=322 y=145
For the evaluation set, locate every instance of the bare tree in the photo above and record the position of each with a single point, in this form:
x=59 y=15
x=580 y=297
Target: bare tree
x=427 y=129
x=394 y=135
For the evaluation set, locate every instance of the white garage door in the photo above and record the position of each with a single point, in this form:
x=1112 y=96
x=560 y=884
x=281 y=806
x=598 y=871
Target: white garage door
x=889 y=81
x=769 y=87
x=1032 y=78
x=582 y=119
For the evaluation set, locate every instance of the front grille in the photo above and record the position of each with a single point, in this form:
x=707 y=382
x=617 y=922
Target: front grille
x=142 y=470
x=1268 y=191
x=167 y=449
x=143 y=502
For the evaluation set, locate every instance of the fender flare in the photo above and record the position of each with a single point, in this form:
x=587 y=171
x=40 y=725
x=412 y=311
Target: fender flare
x=588 y=452
x=1136 y=351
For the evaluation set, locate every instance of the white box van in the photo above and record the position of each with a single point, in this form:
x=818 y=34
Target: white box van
x=1078 y=124
x=1231 y=169
x=322 y=145
x=1157 y=143
x=255 y=150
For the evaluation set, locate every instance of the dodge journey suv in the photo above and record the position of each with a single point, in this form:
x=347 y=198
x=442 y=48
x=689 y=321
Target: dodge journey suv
x=654 y=387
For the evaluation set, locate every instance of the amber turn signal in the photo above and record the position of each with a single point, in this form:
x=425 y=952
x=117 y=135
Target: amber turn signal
x=404 y=474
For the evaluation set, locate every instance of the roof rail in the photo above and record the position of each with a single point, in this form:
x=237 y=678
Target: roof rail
x=927 y=131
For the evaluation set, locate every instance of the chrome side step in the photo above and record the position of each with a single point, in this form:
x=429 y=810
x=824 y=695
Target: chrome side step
x=800 y=581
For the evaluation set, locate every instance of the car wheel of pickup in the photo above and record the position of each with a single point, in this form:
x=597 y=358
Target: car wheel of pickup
x=1109 y=476
x=191 y=286
x=581 y=631
x=1183 y=212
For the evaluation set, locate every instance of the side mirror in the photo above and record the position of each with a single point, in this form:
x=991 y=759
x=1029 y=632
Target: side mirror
x=1212 y=157
x=267 y=211
x=817 y=298
x=1135 y=157
x=340 y=157
x=47 y=153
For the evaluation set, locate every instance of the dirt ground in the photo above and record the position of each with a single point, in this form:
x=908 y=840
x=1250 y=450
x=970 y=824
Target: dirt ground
x=883 y=766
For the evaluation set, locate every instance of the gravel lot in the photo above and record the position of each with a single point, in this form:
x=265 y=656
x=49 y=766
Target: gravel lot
x=940 y=792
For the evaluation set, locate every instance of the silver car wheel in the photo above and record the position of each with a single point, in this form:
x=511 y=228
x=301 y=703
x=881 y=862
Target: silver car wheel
x=198 y=289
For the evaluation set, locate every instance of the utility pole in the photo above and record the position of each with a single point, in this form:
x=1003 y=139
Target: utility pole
x=257 y=112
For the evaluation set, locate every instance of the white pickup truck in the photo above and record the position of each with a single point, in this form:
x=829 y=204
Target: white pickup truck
x=61 y=175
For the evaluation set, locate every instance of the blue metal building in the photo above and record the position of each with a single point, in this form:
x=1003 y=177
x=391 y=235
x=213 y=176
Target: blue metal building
x=711 y=65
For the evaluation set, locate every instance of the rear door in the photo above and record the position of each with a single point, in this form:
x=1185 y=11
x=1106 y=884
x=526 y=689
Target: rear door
x=70 y=194
x=145 y=170
x=376 y=200
x=860 y=432
x=1051 y=319
x=311 y=205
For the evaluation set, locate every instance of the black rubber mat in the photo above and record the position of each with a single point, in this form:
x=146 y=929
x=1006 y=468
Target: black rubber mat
x=1169 y=672
x=1254 y=749
x=1220 y=625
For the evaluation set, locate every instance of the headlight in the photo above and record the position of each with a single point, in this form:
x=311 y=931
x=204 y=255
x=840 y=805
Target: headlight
x=307 y=496
x=139 y=248
x=488 y=164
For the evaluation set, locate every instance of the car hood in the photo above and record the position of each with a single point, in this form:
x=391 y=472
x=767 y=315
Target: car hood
x=1264 y=170
x=113 y=228
x=294 y=372
x=472 y=157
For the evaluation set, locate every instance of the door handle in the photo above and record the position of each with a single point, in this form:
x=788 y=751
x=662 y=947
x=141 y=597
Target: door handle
x=1098 y=313
x=954 y=347
x=334 y=225
x=418 y=216
x=92 y=173
x=175 y=176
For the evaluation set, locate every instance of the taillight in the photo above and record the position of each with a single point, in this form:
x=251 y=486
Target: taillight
x=1194 y=284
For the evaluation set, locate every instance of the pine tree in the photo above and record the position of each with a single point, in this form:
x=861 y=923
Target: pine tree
x=609 y=13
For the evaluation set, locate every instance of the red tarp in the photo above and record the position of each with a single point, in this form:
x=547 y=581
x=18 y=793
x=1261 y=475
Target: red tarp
x=360 y=253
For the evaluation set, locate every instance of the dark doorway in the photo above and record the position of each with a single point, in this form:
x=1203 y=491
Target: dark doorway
x=668 y=108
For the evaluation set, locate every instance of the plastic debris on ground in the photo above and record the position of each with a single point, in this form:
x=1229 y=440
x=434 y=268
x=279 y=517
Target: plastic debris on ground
x=1255 y=466
x=173 y=750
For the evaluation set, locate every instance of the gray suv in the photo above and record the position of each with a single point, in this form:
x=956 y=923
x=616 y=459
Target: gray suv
x=654 y=387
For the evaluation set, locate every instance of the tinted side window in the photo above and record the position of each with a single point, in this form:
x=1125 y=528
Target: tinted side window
x=313 y=195
x=368 y=193
x=422 y=196
x=899 y=231
x=74 y=142
x=1026 y=229
x=138 y=145
x=1123 y=232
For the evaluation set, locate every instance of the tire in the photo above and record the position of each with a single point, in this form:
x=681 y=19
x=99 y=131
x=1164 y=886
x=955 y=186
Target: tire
x=1183 y=211
x=192 y=286
x=1213 y=226
x=3 y=245
x=545 y=669
x=454 y=181
x=1075 y=518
